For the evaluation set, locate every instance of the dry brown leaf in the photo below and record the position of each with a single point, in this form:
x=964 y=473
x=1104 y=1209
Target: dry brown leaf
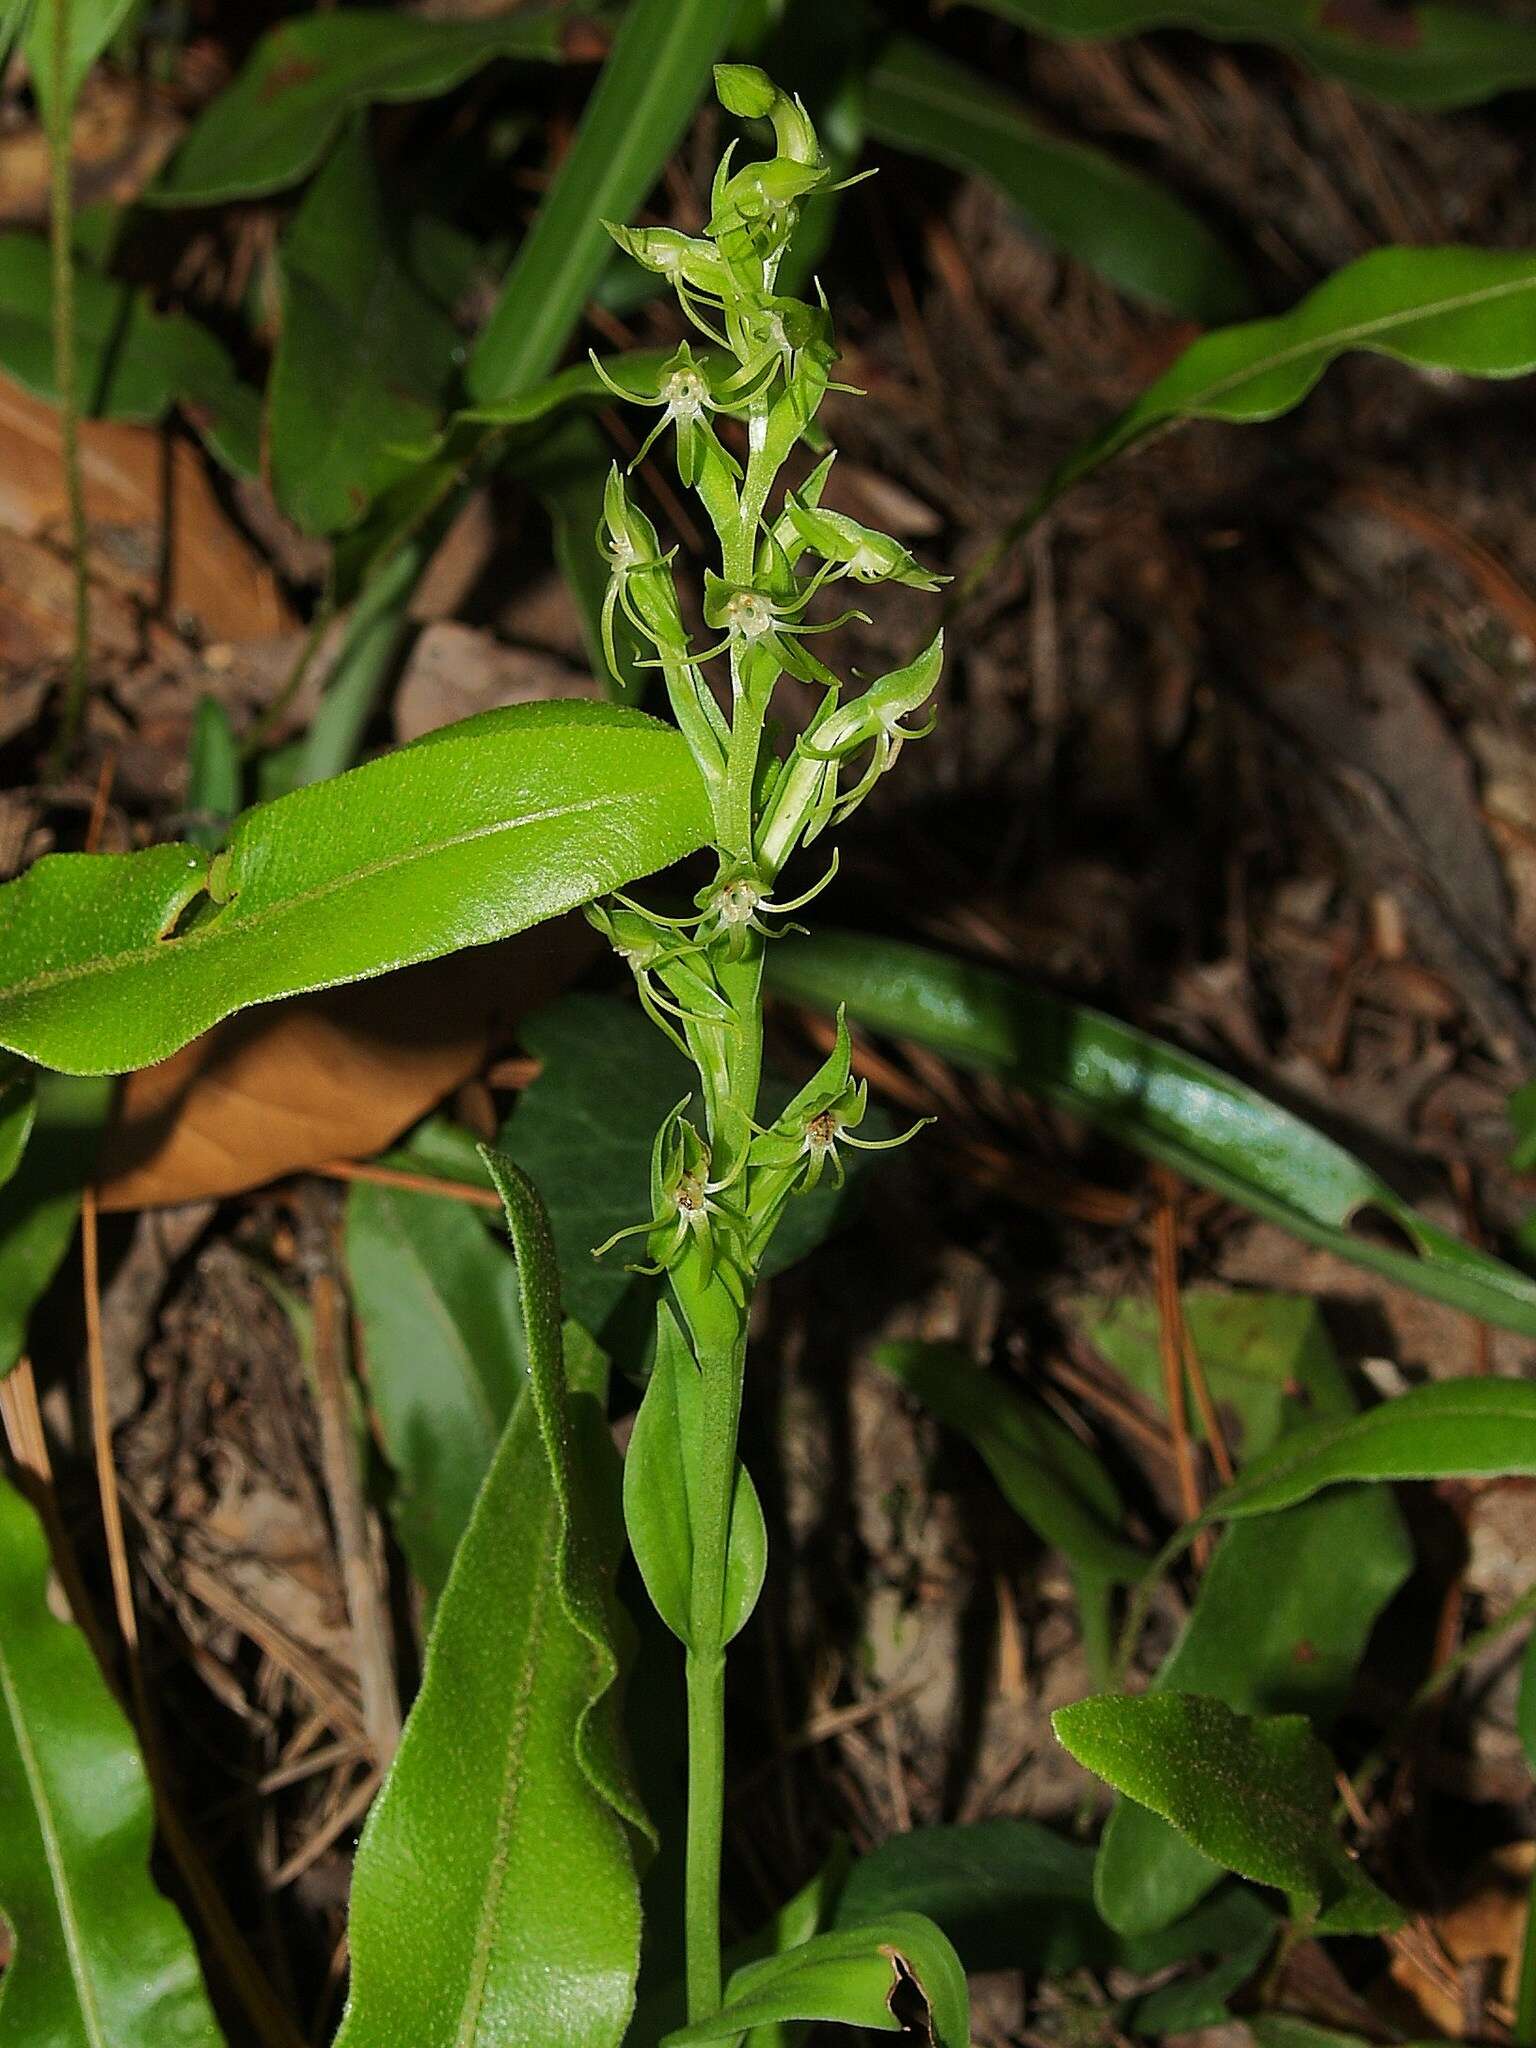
x=1486 y=1929
x=337 y=1075
x=120 y=136
x=158 y=533
x=37 y=610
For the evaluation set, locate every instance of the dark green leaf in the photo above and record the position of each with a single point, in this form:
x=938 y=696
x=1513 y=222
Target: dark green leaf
x=474 y=832
x=1275 y=1628
x=365 y=353
x=637 y=114
x=502 y=1837
x=1451 y=1429
x=306 y=75
x=852 y=1976
x=1151 y=1096
x=1047 y=1476
x=1192 y=2002
x=1525 y=1711
x=1418 y=56
x=1130 y=230
x=584 y=1130
x=132 y=362
x=100 y=1957
x=18 y=1108
x=1471 y=310
x=659 y=1469
x=442 y=1342
x=41 y=1201
x=1253 y=1794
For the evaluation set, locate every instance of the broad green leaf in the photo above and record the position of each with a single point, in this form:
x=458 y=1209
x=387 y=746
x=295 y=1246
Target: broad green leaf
x=1010 y=1894
x=1131 y=231
x=1470 y=310
x=638 y=112
x=365 y=353
x=1275 y=1627
x=305 y=76
x=1254 y=1794
x=1268 y=1358
x=1193 y=2002
x=111 y=961
x=132 y=362
x=442 y=1355
x=1450 y=1429
x=663 y=1456
x=1207 y=1126
x=18 y=1109
x=1047 y=1476
x=1417 y=56
x=40 y=1202
x=101 y=1958
x=502 y=1837
x=866 y=1976
x=91 y=26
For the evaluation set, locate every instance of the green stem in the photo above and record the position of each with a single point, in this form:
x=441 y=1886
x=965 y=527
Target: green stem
x=706 y=1830
x=65 y=375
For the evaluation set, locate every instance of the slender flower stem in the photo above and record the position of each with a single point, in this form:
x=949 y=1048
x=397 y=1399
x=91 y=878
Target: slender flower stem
x=706 y=1825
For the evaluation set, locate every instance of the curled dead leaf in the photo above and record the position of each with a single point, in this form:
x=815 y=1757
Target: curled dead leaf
x=337 y=1075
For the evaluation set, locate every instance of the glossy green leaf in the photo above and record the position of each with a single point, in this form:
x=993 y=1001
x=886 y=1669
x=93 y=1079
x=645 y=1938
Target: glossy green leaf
x=40 y=1202
x=502 y=1837
x=1011 y=1894
x=1470 y=310
x=659 y=1476
x=365 y=353
x=854 y=1976
x=100 y=1957
x=1045 y=1473
x=1207 y=1126
x=92 y=25
x=1129 y=230
x=111 y=961
x=1254 y=1794
x=132 y=362
x=306 y=75
x=638 y=112
x=442 y=1355
x=18 y=1109
x=1275 y=1627
x=1417 y=56
x=1450 y=1429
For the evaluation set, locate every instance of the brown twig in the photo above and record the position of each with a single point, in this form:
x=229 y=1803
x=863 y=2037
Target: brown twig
x=411 y=1183
x=349 y=1516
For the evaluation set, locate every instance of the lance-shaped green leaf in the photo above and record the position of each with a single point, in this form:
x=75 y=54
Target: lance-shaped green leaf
x=40 y=1202
x=660 y=1473
x=442 y=1342
x=1275 y=1627
x=1427 y=56
x=642 y=103
x=1253 y=1793
x=1471 y=310
x=101 y=1958
x=111 y=961
x=365 y=353
x=1047 y=1476
x=1451 y=1429
x=1151 y=1096
x=502 y=1837
x=887 y=1975
x=132 y=363
x=1125 y=227
x=305 y=76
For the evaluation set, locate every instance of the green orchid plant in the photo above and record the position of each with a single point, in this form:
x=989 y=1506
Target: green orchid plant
x=721 y=1178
